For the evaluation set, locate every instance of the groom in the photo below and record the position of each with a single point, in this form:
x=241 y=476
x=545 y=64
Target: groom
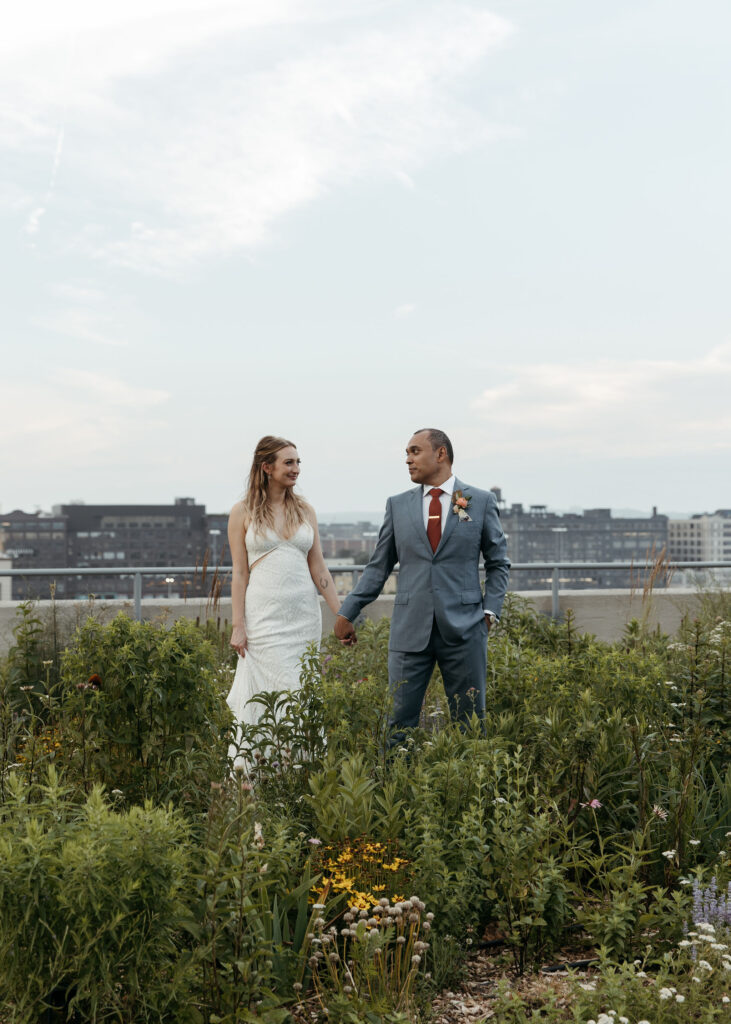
x=436 y=532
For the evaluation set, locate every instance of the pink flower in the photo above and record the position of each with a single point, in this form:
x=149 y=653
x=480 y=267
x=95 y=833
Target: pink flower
x=462 y=502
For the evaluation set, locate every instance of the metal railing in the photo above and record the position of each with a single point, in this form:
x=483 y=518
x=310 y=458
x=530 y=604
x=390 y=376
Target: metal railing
x=555 y=569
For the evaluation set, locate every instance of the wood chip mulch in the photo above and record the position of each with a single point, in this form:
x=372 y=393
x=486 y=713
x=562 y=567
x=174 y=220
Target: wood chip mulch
x=474 y=999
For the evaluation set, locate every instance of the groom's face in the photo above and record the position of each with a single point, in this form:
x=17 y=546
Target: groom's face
x=423 y=461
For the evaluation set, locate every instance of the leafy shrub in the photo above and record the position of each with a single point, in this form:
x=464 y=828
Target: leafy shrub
x=244 y=903
x=90 y=902
x=142 y=709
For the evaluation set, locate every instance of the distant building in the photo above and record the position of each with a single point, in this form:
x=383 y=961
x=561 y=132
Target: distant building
x=701 y=538
x=348 y=540
x=594 y=535
x=34 y=540
x=113 y=536
x=107 y=536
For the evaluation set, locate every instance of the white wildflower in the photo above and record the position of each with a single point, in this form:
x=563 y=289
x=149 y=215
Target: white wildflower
x=665 y=993
x=669 y=854
x=679 y=999
x=694 y=842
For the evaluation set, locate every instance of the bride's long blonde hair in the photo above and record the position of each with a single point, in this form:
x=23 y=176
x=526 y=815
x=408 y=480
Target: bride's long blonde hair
x=257 y=503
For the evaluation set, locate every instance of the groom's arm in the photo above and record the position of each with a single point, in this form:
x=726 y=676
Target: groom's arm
x=494 y=551
x=375 y=574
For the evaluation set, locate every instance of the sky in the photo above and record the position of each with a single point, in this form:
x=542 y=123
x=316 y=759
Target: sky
x=343 y=220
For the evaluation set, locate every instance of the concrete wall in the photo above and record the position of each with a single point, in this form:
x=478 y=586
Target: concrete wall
x=602 y=612
x=6 y=582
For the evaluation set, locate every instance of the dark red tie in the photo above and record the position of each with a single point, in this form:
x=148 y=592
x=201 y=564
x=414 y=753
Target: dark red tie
x=434 y=522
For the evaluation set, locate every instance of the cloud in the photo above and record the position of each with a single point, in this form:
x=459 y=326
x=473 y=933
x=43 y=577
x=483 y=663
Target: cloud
x=85 y=313
x=79 y=419
x=404 y=310
x=189 y=152
x=612 y=408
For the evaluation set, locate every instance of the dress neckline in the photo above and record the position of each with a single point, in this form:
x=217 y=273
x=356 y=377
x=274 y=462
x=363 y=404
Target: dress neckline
x=273 y=533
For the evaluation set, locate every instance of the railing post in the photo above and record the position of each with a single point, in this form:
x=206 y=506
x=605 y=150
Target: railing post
x=138 y=596
x=555 y=582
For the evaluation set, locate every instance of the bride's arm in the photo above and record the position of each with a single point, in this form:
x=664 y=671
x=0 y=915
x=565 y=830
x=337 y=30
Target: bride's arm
x=319 y=571
x=239 y=576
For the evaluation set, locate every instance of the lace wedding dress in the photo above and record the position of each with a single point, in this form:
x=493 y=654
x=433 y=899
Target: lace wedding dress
x=282 y=615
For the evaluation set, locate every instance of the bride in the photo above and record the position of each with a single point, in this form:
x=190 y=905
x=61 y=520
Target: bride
x=278 y=568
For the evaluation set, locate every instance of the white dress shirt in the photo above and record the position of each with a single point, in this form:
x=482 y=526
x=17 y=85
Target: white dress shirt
x=445 y=500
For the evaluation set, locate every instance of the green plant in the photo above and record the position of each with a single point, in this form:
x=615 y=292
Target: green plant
x=525 y=866
x=140 y=702
x=373 y=962
x=242 y=901
x=90 y=902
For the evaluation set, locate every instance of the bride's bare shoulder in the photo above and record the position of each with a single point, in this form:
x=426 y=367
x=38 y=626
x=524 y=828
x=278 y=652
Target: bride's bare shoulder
x=238 y=517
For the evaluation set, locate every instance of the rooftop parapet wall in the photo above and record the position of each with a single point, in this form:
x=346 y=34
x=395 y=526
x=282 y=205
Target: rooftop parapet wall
x=602 y=612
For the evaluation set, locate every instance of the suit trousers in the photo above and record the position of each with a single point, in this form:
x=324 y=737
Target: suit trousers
x=464 y=669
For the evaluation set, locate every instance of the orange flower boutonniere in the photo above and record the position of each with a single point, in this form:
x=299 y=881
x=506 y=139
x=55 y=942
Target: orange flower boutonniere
x=460 y=504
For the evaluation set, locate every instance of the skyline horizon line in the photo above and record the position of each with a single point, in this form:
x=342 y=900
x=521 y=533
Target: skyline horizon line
x=339 y=516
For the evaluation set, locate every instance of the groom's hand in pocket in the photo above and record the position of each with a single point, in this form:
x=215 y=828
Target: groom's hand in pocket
x=345 y=631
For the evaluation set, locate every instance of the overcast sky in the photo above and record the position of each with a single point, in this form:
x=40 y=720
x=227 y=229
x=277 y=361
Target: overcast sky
x=342 y=220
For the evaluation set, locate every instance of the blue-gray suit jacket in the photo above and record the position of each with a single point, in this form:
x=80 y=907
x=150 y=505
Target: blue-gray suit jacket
x=444 y=584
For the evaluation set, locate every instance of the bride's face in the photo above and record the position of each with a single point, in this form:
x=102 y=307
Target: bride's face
x=286 y=469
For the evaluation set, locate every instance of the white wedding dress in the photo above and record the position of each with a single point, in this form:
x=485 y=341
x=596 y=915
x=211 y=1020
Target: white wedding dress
x=282 y=616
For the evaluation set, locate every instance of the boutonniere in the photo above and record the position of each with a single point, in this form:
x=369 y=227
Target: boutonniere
x=460 y=504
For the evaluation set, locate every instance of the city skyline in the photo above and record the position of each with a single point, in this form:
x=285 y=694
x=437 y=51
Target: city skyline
x=342 y=222
x=375 y=516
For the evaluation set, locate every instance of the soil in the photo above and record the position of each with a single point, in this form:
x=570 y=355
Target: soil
x=474 y=999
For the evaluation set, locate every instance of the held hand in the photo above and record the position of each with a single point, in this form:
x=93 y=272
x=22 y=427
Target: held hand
x=345 y=631
x=238 y=640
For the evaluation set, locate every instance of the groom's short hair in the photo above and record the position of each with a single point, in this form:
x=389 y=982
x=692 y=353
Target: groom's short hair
x=438 y=439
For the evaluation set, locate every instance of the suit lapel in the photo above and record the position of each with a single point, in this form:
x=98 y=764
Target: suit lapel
x=417 y=515
x=451 y=519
